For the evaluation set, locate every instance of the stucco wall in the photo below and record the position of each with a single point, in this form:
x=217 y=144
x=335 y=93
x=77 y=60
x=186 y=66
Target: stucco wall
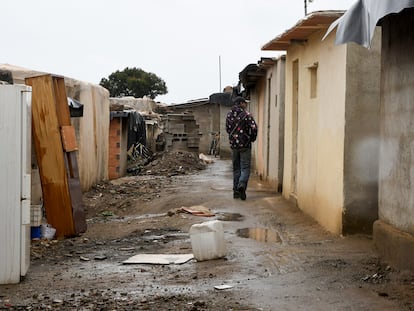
x=267 y=107
x=396 y=174
x=276 y=109
x=257 y=109
x=320 y=144
x=362 y=136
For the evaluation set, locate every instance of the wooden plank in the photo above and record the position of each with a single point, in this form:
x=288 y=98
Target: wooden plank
x=69 y=138
x=63 y=114
x=61 y=100
x=78 y=210
x=50 y=156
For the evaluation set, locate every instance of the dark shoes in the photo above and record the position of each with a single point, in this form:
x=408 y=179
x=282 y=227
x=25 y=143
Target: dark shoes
x=242 y=193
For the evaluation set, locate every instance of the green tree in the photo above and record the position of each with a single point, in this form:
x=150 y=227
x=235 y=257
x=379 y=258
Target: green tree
x=134 y=82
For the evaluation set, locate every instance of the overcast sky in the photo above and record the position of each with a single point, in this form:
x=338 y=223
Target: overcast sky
x=181 y=41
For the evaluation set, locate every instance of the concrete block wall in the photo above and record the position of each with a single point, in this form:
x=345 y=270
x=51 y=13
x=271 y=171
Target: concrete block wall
x=181 y=132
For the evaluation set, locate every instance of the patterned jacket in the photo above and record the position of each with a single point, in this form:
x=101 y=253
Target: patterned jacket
x=241 y=127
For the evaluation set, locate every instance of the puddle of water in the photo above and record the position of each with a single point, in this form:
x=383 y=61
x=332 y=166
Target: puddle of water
x=229 y=216
x=259 y=234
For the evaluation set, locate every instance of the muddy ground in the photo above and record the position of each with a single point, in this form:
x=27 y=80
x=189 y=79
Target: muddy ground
x=277 y=258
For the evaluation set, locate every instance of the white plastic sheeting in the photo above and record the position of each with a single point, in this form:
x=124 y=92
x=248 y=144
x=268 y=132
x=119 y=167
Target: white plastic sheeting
x=358 y=23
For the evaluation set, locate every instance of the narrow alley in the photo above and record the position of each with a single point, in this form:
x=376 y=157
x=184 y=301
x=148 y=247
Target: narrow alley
x=277 y=257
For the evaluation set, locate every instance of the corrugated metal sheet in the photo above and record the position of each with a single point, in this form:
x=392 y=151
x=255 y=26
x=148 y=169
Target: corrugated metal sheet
x=358 y=23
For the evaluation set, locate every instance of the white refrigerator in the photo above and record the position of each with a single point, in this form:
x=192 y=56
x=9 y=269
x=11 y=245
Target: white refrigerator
x=15 y=168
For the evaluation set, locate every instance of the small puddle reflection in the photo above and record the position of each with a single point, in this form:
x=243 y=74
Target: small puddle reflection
x=259 y=234
x=229 y=216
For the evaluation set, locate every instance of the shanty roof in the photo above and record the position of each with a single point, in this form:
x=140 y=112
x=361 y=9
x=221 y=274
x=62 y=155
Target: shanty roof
x=253 y=72
x=303 y=30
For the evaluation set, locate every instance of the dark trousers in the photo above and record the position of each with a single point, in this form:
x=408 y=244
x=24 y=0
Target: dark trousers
x=241 y=167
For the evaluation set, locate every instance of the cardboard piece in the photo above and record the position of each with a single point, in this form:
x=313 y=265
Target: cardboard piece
x=224 y=286
x=197 y=210
x=159 y=259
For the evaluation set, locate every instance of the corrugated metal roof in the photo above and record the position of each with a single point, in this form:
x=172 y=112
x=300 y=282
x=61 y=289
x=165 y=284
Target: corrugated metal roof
x=303 y=30
x=359 y=22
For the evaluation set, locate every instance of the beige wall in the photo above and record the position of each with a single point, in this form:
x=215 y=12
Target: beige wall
x=92 y=131
x=256 y=107
x=320 y=144
x=267 y=106
x=276 y=108
x=337 y=133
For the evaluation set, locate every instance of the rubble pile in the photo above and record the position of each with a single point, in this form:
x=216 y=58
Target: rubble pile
x=117 y=197
x=120 y=196
x=171 y=163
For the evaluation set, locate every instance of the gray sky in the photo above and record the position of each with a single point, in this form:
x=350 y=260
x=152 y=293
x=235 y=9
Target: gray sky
x=178 y=40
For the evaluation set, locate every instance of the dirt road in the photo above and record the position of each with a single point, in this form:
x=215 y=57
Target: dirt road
x=284 y=262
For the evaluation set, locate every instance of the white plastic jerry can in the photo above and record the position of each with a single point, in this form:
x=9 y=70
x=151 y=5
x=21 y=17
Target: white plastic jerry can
x=207 y=240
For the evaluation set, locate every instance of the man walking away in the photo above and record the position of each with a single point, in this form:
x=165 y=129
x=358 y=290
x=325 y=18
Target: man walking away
x=242 y=130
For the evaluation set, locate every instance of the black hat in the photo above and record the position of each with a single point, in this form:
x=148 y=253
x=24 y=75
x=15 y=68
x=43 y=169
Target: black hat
x=238 y=100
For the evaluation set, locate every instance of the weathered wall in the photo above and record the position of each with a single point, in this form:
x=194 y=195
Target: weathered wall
x=396 y=173
x=267 y=104
x=257 y=109
x=277 y=124
x=92 y=131
x=207 y=117
x=320 y=123
x=335 y=179
x=181 y=132
x=225 y=150
x=362 y=136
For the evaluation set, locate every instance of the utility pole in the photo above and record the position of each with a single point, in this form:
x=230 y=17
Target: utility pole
x=220 y=73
